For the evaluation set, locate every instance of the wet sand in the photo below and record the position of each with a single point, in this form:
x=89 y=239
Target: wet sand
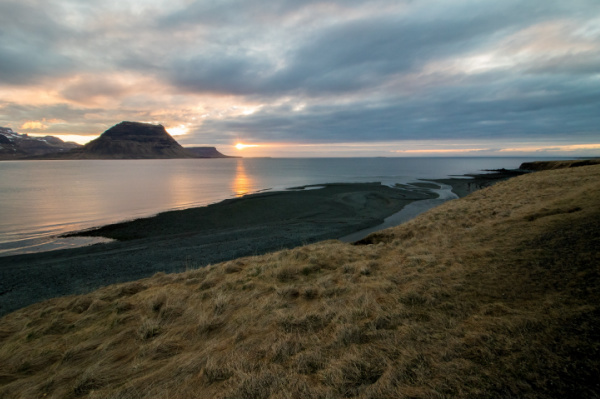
x=177 y=240
x=473 y=182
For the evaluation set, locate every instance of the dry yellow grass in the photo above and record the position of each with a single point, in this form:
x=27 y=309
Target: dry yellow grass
x=547 y=165
x=493 y=295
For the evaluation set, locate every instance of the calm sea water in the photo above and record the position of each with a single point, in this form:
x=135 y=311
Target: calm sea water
x=40 y=200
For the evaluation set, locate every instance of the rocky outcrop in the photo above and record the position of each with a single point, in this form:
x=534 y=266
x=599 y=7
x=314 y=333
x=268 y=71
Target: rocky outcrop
x=4 y=140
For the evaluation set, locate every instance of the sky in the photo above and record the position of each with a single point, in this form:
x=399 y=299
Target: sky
x=295 y=78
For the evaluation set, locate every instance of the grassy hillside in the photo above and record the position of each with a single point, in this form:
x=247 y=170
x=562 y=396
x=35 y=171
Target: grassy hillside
x=493 y=295
x=547 y=165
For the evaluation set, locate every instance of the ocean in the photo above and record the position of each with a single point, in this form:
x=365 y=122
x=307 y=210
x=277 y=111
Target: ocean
x=40 y=200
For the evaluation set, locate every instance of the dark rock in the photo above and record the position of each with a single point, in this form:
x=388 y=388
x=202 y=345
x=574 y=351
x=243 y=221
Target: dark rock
x=207 y=152
x=133 y=140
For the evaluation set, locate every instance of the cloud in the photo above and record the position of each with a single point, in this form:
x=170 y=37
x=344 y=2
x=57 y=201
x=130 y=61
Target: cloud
x=340 y=56
x=525 y=107
x=85 y=89
x=306 y=72
x=35 y=125
x=30 y=43
x=54 y=119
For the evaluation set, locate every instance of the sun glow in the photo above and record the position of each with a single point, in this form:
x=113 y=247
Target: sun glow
x=178 y=130
x=242 y=146
x=38 y=125
x=80 y=139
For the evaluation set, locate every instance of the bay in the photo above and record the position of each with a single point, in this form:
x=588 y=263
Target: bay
x=40 y=200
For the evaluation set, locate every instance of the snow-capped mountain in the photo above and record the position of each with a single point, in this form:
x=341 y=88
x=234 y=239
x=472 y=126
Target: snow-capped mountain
x=15 y=145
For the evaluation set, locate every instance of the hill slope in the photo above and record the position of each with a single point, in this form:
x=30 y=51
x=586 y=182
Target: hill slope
x=546 y=165
x=493 y=295
x=132 y=140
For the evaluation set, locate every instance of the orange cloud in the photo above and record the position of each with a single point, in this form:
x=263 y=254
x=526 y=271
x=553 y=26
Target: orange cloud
x=178 y=130
x=242 y=146
x=81 y=139
x=438 y=151
x=570 y=147
x=36 y=125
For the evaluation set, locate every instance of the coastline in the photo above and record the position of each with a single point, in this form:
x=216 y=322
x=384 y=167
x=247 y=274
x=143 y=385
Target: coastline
x=473 y=182
x=178 y=240
x=500 y=287
x=174 y=241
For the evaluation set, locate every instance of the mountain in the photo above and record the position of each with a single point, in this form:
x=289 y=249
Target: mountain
x=126 y=140
x=14 y=146
x=207 y=152
x=131 y=140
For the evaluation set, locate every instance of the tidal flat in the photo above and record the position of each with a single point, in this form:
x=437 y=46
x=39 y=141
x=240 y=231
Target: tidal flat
x=185 y=239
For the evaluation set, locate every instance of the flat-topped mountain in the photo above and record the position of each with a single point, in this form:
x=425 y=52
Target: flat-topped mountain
x=132 y=140
x=126 y=140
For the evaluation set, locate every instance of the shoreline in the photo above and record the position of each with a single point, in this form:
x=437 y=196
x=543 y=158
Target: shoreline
x=175 y=241
x=407 y=213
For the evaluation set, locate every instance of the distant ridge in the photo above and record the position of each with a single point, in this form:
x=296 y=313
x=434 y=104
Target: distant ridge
x=207 y=152
x=15 y=146
x=546 y=165
x=134 y=140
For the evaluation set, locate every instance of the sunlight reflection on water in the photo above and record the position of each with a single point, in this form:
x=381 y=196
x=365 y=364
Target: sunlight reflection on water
x=44 y=199
x=242 y=182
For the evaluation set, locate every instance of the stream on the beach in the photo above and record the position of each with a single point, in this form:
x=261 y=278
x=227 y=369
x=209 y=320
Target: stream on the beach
x=406 y=214
x=40 y=200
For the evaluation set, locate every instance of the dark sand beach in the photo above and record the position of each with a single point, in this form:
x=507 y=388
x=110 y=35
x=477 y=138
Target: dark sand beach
x=178 y=240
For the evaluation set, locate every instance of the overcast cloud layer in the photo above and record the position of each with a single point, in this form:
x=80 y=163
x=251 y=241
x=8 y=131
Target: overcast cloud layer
x=481 y=76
